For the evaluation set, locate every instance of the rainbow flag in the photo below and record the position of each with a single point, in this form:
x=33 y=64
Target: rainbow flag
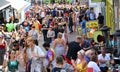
x=53 y=53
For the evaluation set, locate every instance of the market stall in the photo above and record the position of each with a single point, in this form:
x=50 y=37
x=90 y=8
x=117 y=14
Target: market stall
x=92 y=30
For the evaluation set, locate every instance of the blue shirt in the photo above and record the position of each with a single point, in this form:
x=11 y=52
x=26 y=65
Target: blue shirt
x=86 y=44
x=83 y=23
x=53 y=13
x=87 y=59
x=92 y=16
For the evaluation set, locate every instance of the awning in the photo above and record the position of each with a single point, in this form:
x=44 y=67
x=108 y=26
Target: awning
x=19 y=5
x=4 y=4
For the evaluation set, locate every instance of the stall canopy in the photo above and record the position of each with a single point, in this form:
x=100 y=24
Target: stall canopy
x=19 y=5
x=4 y=4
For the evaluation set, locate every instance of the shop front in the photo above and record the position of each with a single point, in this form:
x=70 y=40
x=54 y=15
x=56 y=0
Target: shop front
x=19 y=9
x=4 y=11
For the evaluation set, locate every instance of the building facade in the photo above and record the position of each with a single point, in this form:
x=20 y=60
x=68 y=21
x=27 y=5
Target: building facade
x=116 y=14
x=5 y=8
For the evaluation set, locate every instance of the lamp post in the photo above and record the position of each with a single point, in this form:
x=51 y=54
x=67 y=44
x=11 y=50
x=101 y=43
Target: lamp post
x=117 y=34
x=105 y=31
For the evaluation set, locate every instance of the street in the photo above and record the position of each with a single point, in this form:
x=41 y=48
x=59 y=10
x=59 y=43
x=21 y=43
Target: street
x=58 y=22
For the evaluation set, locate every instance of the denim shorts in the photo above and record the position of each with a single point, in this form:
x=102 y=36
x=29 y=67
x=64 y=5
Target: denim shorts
x=83 y=31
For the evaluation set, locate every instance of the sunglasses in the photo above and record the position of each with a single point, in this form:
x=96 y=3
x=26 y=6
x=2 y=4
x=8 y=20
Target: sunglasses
x=33 y=27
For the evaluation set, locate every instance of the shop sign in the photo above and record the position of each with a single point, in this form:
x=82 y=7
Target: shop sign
x=96 y=0
x=92 y=24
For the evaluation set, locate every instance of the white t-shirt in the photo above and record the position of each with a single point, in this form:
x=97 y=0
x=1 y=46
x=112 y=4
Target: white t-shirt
x=93 y=65
x=107 y=58
x=42 y=14
x=37 y=50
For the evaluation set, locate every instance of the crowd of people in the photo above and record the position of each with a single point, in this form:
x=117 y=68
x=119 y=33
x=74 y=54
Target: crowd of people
x=22 y=52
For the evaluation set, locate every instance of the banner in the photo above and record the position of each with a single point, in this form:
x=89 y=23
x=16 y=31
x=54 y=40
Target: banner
x=96 y=0
x=110 y=15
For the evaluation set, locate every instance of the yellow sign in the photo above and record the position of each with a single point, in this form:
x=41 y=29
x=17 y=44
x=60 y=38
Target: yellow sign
x=92 y=24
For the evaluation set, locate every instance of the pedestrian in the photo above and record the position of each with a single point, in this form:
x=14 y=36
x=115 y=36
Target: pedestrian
x=89 y=54
x=87 y=13
x=80 y=17
x=49 y=62
x=56 y=29
x=86 y=43
x=82 y=66
x=22 y=34
x=66 y=66
x=22 y=63
x=50 y=35
x=59 y=45
x=3 y=48
x=100 y=20
x=104 y=60
x=12 y=62
x=70 y=23
x=59 y=65
x=34 y=55
x=83 y=25
x=36 y=24
x=92 y=14
x=93 y=64
x=74 y=20
x=73 y=48
x=65 y=36
x=26 y=26
x=45 y=28
x=34 y=34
